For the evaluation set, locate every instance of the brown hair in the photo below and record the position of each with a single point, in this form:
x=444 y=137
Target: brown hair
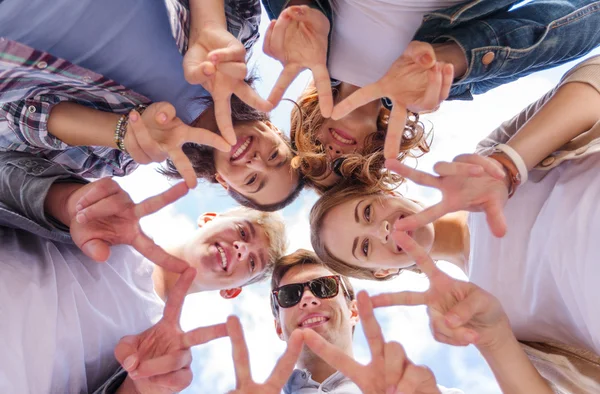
x=299 y=257
x=365 y=167
x=338 y=195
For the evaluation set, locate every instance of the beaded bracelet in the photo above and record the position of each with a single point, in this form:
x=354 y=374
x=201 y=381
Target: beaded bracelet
x=121 y=128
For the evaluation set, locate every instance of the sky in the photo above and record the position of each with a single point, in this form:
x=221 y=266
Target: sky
x=457 y=127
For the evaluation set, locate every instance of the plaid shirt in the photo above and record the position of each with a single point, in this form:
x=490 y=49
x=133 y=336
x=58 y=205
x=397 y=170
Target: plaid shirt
x=32 y=82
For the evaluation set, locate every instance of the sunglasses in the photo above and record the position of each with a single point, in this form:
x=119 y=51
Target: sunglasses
x=324 y=287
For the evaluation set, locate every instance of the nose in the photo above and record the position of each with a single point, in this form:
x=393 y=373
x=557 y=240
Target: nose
x=241 y=250
x=383 y=232
x=333 y=151
x=308 y=299
x=256 y=162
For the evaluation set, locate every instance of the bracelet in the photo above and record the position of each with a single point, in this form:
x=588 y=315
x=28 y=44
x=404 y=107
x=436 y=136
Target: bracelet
x=121 y=128
x=514 y=178
x=516 y=159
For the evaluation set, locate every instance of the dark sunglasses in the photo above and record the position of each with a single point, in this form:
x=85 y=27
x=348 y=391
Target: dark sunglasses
x=324 y=287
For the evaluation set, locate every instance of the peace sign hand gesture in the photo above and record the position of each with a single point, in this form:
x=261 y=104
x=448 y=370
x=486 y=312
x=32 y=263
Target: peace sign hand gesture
x=414 y=82
x=298 y=39
x=217 y=61
x=281 y=373
x=158 y=133
x=460 y=313
x=389 y=371
x=158 y=360
x=102 y=214
x=470 y=183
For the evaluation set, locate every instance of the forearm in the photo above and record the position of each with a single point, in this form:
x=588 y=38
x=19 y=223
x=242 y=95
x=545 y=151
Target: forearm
x=77 y=125
x=60 y=201
x=573 y=110
x=206 y=12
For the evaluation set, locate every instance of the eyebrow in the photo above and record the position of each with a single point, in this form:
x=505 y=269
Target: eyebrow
x=356 y=211
x=251 y=227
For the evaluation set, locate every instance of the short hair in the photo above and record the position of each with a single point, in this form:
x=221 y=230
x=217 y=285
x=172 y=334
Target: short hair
x=274 y=227
x=300 y=257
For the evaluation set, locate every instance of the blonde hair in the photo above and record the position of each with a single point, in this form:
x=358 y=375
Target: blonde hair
x=274 y=227
x=365 y=167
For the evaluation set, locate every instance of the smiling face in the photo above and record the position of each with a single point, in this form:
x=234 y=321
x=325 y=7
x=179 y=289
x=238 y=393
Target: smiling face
x=227 y=252
x=258 y=166
x=359 y=231
x=332 y=318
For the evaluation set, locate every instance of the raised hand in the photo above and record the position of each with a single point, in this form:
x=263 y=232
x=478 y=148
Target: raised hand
x=281 y=373
x=158 y=360
x=102 y=214
x=389 y=370
x=159 y=134
x=298 y=39
x=217 y=61
x=414 y=82
x=470 y=183
x=460 y=313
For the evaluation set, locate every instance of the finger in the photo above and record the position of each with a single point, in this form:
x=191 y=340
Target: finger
x=462 y=313
x=432 y=92
x=417 y=176
x=443 y=168
x=125 y=352
x=147 y=248
x=252 y=98
x=323 y=85
x=163 y=113
x=96 y=249
x=395 y=131
x=241 y=361
x=491 y=166
x=357 y=99
x=158 y=202
x=267 y=48
x=235 y=70
x=145 y=141
x=417 y=379
x=104 y=208
x=447 y=79
x=203 y=335
x=164 y=364
x=333 y=356
x=422 y=53
x=224 y=121
x=395 y=359
x=282 y=23
x=285 y=365
x=232 y=53
x=100 y=189
x=407 y=298
x=494 y=214
x=177 y=295
x=287 y=76
x=134 y=149
x=371 y=327
x=450 y=340
x=423 y=218
x=174 y=381
x=184 y=166
x=422 y=259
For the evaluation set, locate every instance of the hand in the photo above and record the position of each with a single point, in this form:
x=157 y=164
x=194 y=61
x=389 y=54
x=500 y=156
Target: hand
x=102 y=214
x=460 y=313
x=389 y=368
x=298 y=39
x=470 y=183
x=281 y=373
x=217 y=61
x=414 y=82
x=159 y=134
x=158 y=360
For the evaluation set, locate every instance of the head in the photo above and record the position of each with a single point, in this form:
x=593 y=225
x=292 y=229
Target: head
x=335 y=317
x=234 y=249
x=257 y=171
x=358 y=138
x=351 y=231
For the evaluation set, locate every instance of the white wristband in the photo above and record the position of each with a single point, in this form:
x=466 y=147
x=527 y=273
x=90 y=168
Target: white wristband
x=516 y=158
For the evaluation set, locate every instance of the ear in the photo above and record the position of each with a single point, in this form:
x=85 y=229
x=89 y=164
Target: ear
x=354 y=317
x=206 y=217
x=278 y=330
x=383 y=273
x=222 y=181
x=230 y=293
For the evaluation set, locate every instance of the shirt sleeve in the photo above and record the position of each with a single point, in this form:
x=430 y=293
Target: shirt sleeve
x=113 y=383
x=24 y=184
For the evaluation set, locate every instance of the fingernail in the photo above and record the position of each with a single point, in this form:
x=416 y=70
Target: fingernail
x=162 y=117
x=299 y=11
x=79 y=207
x=426 y=59
x=133 y=375
x=453 y=320
x=129 y=362
x=81 y=218
x=133 y=117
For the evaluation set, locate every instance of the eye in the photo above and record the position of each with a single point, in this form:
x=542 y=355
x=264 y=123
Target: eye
x=365 y=247
x=274 y=155
x=252 y=264
x=243 y=233
x=251 y=180
x=367 y=213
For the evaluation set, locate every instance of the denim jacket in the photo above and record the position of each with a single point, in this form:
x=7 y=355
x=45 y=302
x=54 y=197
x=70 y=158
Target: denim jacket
x=501 y=43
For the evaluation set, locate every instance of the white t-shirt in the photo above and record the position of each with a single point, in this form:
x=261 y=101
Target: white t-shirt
x=546 y=270
x=369 y=35
x=61 y=314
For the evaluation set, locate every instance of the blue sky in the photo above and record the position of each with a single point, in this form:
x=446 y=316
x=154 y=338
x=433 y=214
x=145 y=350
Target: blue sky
x=457 y=126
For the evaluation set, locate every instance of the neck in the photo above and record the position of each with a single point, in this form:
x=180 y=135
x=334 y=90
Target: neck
x=451 y=241
x=318 y=368
x=163 y=281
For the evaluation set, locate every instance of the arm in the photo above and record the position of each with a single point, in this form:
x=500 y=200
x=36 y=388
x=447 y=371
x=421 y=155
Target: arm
x=206 y=12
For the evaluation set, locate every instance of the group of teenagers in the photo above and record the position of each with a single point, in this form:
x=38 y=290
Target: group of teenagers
x=89 y=90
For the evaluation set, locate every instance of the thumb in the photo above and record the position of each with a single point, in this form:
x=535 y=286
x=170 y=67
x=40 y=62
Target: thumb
x=495 y=218
x=162 y=113
x=96 y=249
x=421 y=53
x=126 y=352
x=465 y=310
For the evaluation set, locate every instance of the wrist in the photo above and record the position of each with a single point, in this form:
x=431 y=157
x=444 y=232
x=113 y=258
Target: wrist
x=503 y=338
x=60 y=201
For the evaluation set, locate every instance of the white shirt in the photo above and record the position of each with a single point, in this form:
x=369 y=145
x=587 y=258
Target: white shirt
x=61 y=314
x=546 y=270
x=369 y=35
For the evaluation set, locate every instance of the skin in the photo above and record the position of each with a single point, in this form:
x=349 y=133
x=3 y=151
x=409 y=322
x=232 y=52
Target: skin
x=342 y=317
x=375 y=247
x=263 y=172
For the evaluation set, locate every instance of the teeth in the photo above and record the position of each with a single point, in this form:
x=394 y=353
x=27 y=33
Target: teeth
x=314 y=320
x=340 y=138
x=223 y=257
x=241 y=149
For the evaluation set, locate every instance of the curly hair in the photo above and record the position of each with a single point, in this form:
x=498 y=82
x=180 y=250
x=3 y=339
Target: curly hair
x=367 y=166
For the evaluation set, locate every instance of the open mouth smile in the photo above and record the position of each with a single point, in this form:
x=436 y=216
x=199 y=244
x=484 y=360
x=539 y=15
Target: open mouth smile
x=241 y=148
x=342 y=137
x=222 y=257
x=313 y=321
